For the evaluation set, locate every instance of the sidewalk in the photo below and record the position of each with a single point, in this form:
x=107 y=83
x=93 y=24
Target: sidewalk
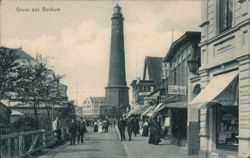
x=139 y=147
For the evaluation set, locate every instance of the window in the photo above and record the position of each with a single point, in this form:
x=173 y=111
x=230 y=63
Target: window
x=175 y=76
x=227 y=127
x=226 y=14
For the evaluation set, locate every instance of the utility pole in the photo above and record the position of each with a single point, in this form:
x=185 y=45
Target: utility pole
x=172 y=35
x=76 y=92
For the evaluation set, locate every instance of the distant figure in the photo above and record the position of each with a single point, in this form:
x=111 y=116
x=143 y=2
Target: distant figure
x=56 y=128
x=145 y=129
x=72 y=130
x=106 y=126
x=99 y=126
x=114 y=123
x=95 y=127
x=81 y=130
x=121 y=126
x=130 y=127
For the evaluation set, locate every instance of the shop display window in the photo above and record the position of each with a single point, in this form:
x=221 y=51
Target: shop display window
x=227 y=127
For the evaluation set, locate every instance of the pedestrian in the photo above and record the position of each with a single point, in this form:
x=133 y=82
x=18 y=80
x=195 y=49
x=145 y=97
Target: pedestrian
x=114 y=123
x=145 y=129
x=121 y=126
x=154 y=136
x=95 y=127
x=81 y=130
x=100 y=129
x=130 y=127
x=106 y=126
x=136 y=127
x=56 y=128
x=72 y=130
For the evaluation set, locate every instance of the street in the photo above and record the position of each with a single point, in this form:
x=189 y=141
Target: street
x=108 y=145
x=97 y=145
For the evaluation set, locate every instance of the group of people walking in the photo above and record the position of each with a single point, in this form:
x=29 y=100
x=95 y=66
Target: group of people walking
x=77 y=129
x=101 y=126
x=133 y=126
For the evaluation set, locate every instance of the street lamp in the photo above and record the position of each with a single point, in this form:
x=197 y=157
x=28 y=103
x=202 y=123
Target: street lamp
x=193 y=66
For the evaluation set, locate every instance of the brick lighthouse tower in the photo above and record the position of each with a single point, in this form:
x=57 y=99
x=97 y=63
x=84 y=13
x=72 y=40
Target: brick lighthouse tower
x=116 y=93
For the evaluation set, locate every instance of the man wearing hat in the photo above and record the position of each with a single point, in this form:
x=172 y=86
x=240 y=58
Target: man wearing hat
x=81 y=130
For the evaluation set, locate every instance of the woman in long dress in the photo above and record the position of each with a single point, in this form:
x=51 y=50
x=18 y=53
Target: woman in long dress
x=154 y=136
x=99 y=127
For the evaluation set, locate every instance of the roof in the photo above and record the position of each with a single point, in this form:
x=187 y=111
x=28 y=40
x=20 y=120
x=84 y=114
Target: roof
x=141 y=82
x=16 y=113
x=97 y=99
x=188 y=36
x=19 y=52
x=153 y=65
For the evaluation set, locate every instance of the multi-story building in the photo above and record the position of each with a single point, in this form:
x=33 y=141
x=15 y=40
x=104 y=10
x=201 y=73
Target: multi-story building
x=224 y=77
x=153 y=72
x=91 y=106
x=141 y=89
x=174 y=105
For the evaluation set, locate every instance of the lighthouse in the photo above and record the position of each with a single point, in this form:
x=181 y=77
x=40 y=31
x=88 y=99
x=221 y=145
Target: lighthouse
x=116 y=92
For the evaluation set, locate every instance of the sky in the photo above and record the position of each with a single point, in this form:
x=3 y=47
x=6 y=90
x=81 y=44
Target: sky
x=77 y=35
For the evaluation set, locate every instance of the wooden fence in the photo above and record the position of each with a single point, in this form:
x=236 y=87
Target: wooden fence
x=19 y=145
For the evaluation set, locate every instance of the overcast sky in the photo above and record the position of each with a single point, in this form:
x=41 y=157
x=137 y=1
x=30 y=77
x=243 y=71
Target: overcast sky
x=78 y=36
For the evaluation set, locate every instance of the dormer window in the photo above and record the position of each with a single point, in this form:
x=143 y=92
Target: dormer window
x=226 y=14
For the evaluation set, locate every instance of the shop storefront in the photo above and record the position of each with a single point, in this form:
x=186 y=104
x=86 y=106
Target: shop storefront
x=173 y=119
x=218 y=107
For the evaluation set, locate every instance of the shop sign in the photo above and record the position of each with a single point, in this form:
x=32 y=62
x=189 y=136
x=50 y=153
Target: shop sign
x=144 y=93
x=150 y=98
x=167 y=121
x=181 y=90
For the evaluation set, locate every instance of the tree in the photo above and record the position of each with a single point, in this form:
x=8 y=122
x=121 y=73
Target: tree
x=8 y=65
x=35 y=84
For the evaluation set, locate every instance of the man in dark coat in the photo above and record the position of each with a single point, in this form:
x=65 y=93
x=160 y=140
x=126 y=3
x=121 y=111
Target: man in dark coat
x=121 y=127
x=136 y=127
x=81 y=130
x=72 y=130
x=130 y=127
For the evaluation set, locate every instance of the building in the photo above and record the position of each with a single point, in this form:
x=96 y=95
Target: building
x=91 y=107
x=174 y=105
x=107 y=111
x=224 y=76
x=152 y=71
x=140 y=90
x=5 y=113
x=116 y=93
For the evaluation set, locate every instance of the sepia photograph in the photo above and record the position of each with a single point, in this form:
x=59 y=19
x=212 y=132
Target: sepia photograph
x=124 y=78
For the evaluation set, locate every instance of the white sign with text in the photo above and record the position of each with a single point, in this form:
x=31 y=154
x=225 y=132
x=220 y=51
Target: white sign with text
x=181 y=90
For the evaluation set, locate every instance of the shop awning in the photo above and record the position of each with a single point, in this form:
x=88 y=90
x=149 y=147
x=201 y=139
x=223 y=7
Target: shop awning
x=138 y=110
x=148 y=110
x=221 y=89
x=155 y=110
